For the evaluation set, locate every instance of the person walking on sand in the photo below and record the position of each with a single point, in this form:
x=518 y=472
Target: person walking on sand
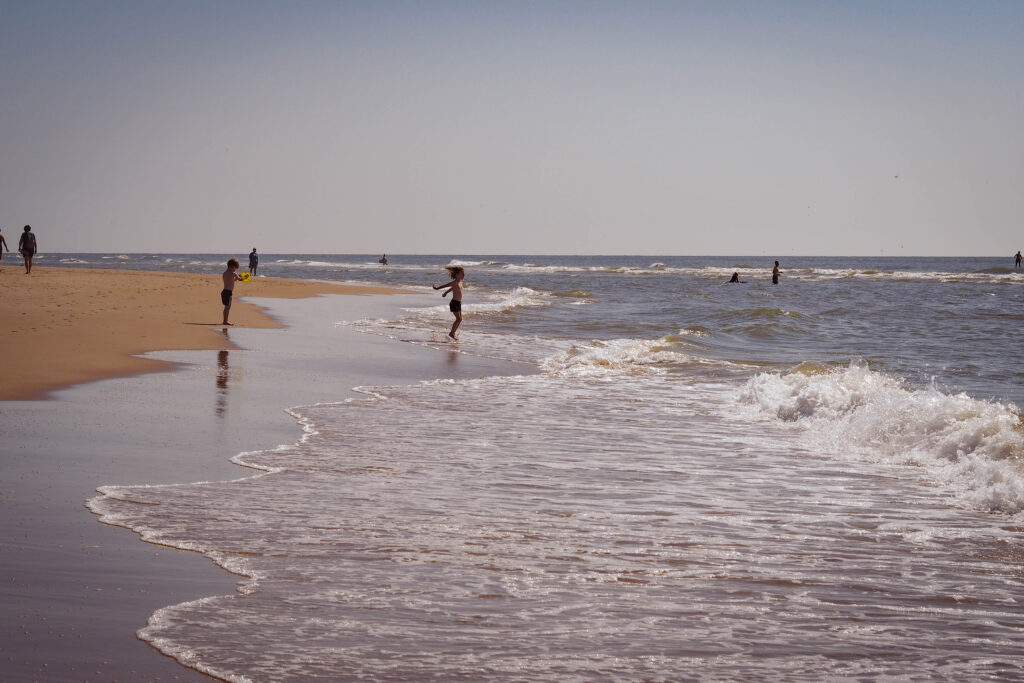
x=3 y=245
x=27 y=247
x=230 y=277
x=1016 y=260
x=775 y=274
x=455 y=289
x=254 y=262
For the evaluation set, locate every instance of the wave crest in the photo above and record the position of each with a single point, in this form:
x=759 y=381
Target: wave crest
x=469 y=264
x=974 y=446
x=613 y=357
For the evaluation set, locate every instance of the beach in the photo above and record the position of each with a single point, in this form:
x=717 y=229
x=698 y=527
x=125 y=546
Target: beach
x=587 y=342
x=627 y=468
x=75 y=591
x=65 y=326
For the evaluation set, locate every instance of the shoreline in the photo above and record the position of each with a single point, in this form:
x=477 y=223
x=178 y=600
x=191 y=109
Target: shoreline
x=76 y=590
x=69 y=326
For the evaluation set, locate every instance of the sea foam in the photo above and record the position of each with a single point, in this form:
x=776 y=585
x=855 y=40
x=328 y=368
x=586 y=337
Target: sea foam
x=971 y=445
x=613 y=357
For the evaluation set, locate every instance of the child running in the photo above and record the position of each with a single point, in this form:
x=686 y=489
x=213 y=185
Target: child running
x=230 y=278
x=455 y=289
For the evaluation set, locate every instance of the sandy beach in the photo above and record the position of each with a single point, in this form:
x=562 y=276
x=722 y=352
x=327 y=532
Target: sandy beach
x=65 y=325
x=75 y=591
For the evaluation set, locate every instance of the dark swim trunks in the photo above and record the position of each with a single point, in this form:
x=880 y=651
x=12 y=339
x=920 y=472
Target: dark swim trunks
x=225 y=296
x=455 y=306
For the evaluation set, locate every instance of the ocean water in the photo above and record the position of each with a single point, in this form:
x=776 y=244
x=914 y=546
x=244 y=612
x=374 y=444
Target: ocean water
x=695 y=481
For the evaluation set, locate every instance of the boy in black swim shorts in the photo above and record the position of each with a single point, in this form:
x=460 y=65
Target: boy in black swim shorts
x=230 y=277
x=455 y=289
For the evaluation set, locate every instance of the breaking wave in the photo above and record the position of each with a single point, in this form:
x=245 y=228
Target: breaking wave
x=971 y=445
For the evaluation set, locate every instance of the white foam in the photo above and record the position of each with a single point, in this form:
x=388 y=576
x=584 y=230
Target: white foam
x=315 y=264
x=471 y=264
x=535 y=268
x=613 y=357
x=497 y=302
x=973 y=446
x=520 y=297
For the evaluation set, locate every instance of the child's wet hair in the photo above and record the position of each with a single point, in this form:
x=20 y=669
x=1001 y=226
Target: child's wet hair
x=454 y=270
x=232 y=262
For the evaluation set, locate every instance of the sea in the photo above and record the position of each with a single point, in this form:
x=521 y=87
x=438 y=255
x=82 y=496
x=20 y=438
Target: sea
x=690 y=480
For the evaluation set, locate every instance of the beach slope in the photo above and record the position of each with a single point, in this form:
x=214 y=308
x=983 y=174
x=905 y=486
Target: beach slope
x=75 y=591
x=65 y=326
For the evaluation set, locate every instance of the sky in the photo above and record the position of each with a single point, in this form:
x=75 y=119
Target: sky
x=560 y=127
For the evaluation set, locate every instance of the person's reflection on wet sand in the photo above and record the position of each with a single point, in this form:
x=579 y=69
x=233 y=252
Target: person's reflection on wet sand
x=223 y=369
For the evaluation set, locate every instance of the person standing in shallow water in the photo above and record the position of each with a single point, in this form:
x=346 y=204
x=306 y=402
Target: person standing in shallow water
x=1016 y=260
x=775 y=274
x=455 y=289
x=230 y=277
x=254 y=262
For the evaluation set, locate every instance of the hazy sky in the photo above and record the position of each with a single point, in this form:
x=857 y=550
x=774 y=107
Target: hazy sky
x=630 y=127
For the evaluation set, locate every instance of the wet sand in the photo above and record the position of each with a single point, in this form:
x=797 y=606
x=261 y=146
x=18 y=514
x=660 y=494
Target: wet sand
x=64 y=326
x=75 y=591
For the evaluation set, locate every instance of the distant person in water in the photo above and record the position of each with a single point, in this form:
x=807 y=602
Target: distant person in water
x=1016 y=260
x=775 y=274
x=735 y=278
x=230 y=277
x=455 y=289
x=3 y=245
x=383 y=260
x=27 y=247
x=254 y=262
